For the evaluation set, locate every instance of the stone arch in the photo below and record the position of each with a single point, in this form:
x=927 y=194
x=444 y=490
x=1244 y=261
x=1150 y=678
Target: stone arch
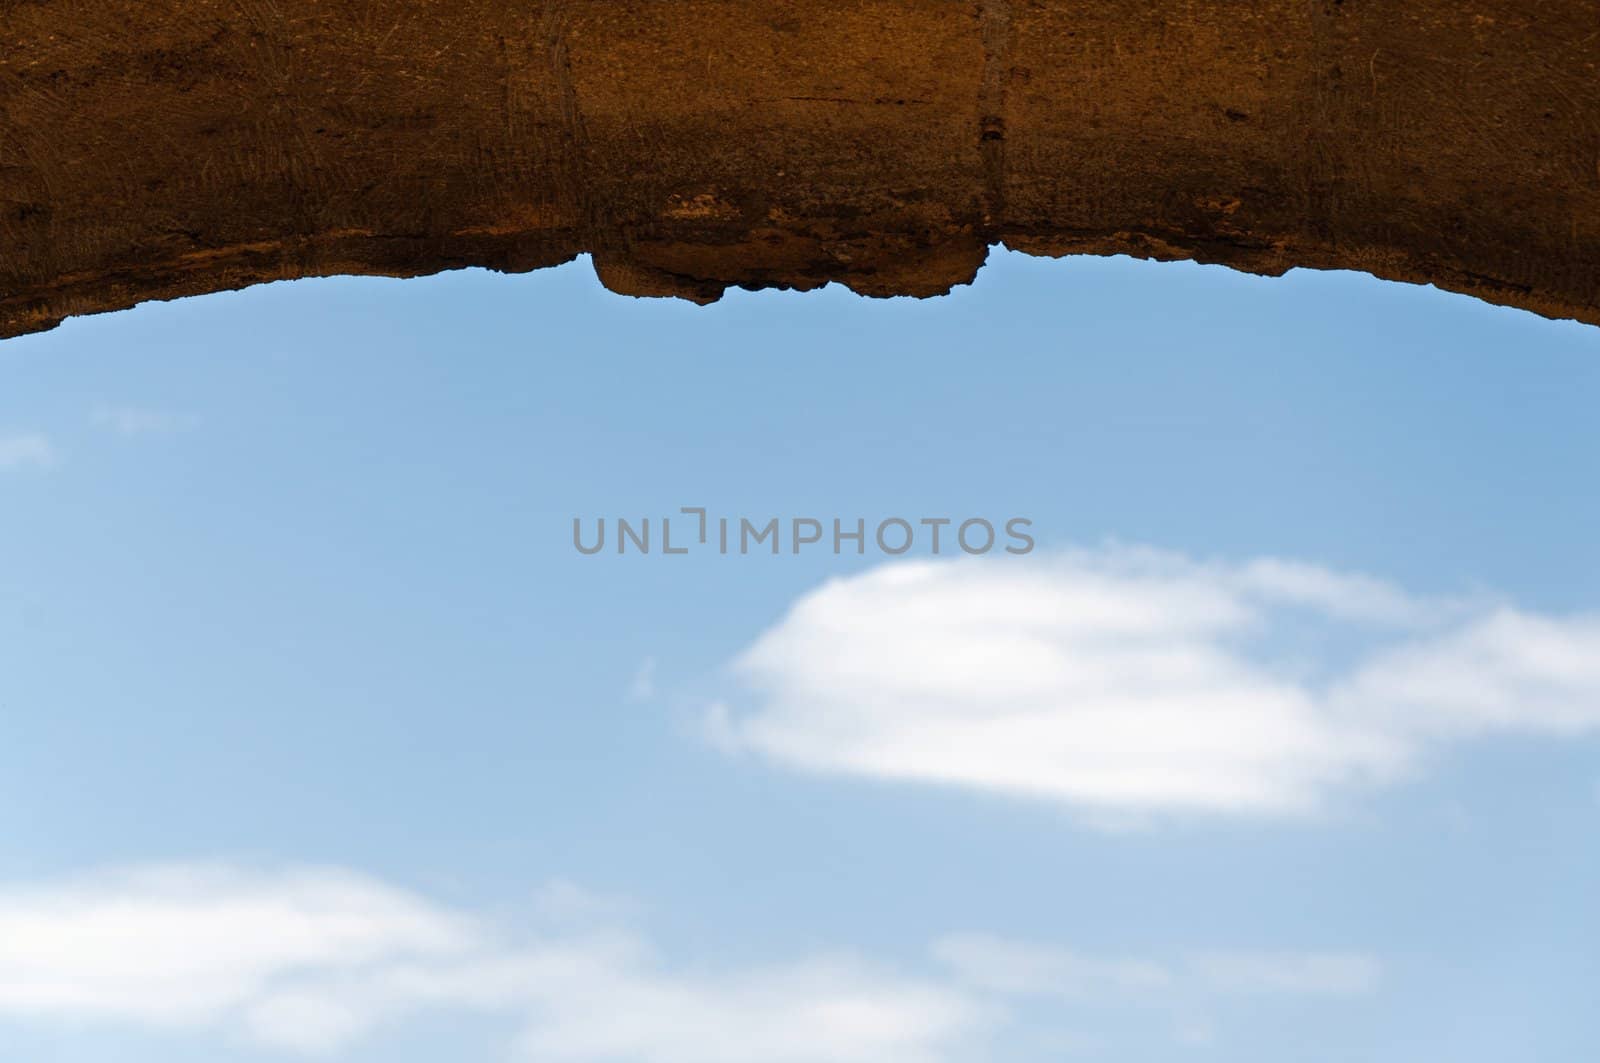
x=163 y=148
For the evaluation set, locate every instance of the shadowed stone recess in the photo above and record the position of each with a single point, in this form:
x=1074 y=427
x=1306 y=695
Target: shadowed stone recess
x=163 y=148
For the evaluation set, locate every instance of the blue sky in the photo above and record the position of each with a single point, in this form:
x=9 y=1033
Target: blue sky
x=322 y=741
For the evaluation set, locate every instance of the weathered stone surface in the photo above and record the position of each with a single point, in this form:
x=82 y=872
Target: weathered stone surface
x=161 y=148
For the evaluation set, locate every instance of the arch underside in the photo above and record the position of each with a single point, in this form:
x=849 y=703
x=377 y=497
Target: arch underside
x=151 y=149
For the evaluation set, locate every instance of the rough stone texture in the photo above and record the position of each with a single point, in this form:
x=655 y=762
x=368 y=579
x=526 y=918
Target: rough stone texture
x=159 y=148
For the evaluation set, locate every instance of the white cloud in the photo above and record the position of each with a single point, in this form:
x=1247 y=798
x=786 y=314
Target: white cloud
x=184 y=945
x=1343 y=595
x=1126 y=681
x=308 y=961
x=824 y=1009
x=1505 y=671
x=138 y=421
x=28 y=449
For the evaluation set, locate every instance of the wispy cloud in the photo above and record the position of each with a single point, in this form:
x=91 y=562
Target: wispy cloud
x=310 y=961
x=643 y=687
x=566 y=903
x=138 y=421
x=1304 y=973
x=26 y=450
x=1125 y=681
x=1019 y=968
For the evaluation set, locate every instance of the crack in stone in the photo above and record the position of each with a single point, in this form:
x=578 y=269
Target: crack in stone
x=994 y=17
x=574 y=180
